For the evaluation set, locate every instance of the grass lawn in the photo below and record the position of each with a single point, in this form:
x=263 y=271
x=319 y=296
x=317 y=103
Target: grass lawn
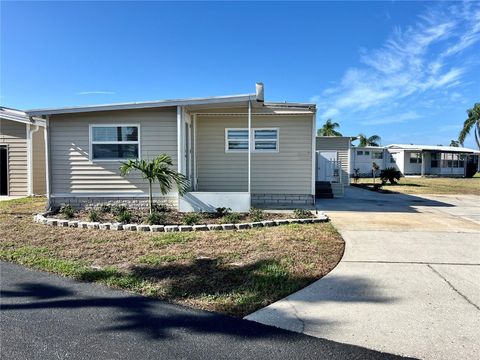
x=233 y=273
x=411 y=185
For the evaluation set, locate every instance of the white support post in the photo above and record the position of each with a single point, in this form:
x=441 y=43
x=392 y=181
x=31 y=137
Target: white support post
x=194 y=158
x=179 y=139
x=250 y=150
x=314 y=154
x=423 y=164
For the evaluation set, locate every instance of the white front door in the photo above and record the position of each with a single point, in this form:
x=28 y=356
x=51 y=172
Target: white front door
x=325 y=165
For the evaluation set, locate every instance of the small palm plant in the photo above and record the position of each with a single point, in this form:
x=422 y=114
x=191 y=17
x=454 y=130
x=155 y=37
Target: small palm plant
x=158 y=169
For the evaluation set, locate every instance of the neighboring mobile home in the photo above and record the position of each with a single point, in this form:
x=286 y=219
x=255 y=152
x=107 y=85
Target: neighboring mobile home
x=423 y=160
x=237 y=151
x=22 y=154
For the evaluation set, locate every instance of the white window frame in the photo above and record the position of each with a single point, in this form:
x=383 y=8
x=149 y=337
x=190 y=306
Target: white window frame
x=252 y=148
x=277 y=141
x=377 y=152
x=227 y=150
x=91 y=142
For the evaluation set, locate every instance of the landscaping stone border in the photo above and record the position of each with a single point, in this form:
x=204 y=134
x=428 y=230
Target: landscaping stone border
x=41 y=218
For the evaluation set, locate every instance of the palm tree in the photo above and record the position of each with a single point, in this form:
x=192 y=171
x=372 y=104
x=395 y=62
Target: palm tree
x=158 y=169
x=472 y=122
x=328 y=129
x=373 y=140
x=454 y=143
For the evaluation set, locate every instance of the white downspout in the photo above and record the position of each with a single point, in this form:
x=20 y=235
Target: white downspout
x=30 y=158
x=250 y=152
x=46 y=134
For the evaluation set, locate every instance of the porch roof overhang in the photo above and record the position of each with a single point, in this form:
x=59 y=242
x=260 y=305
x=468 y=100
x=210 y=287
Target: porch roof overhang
x=433 y=148
x=20 y=116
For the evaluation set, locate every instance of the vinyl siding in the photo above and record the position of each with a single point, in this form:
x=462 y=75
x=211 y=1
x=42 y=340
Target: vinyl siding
x=73 y=173
x=38 y=162
x=14 y=135
x=287 y=172
x=341 y=145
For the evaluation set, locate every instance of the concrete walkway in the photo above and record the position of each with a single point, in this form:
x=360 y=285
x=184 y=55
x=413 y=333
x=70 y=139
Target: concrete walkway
x=409 y=281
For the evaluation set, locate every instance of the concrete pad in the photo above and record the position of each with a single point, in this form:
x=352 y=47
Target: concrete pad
x=407 y=283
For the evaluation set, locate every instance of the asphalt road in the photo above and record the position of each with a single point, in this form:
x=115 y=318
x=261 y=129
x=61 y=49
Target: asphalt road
x=44 y=316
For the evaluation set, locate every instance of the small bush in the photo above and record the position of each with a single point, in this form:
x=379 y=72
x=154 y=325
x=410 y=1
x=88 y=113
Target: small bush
x=118 y=209
x=160 y=208
x=93 y=215
x=257 y=214
x=104 y=209
x=124 y=217
x=231 y=218
x=192 y=218
x=390 y=174
x=222 y=211
x=67 y=211
x=156 y=218
x=302 y=213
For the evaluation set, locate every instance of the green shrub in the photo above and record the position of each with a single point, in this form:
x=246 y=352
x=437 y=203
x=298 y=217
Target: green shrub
x=256 y=214
x=118 y=209
x=93 y=215
x=231 y=218
x=222 y=211
x=67 y=211
x=156 y=218
x=192 y=218
x=390 y=174
x=302 y=214
x=104 y=209
x=160 y=208
x=125 y=217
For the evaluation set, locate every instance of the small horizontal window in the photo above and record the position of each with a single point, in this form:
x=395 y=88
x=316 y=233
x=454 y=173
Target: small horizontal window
x=359 y=152
x=377 y=155
x=114 y=142
x=264 y=140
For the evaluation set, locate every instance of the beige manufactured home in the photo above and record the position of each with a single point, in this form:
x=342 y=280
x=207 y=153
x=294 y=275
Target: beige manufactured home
x=22 y=154
x=236 y=151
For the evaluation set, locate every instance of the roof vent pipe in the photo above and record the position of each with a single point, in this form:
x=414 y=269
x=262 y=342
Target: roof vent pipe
x=259 y=92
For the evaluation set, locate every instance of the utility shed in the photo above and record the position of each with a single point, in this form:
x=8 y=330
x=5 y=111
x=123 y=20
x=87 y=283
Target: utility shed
x=22 y=154
x=336 y=149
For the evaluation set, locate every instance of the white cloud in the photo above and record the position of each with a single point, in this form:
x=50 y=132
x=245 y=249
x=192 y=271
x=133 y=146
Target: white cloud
x=412 y=62
x=96 y=93
x=392 y=119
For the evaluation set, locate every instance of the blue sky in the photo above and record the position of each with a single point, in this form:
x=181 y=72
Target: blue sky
x=406 y=71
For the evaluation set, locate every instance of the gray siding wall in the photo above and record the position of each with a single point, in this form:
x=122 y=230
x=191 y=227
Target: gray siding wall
x=73 y=173
x=287 y=172
x=14 y=135
x=38 y=162
x=341 y=145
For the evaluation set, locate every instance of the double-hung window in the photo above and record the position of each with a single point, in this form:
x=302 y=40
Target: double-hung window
x=114 y=142
x=415 y=158
x=263 y=140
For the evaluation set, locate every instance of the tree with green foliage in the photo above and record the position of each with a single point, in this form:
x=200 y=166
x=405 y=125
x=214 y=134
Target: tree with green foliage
x=472 y=122
x=373 y=140
x=328 y=129
x=158 y=169
x=454 y=143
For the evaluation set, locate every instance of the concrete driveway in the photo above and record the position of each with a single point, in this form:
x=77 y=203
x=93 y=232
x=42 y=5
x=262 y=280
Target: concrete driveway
x=408 y=283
